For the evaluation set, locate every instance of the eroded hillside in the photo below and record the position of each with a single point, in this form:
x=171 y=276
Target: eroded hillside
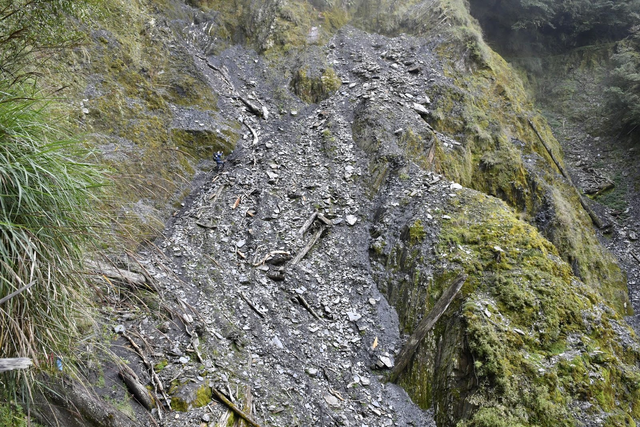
x=374 y=151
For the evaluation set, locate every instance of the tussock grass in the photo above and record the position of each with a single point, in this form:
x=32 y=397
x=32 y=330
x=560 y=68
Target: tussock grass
x=47 y=188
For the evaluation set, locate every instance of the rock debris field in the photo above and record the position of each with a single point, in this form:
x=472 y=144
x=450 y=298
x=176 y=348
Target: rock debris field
x=266 y=270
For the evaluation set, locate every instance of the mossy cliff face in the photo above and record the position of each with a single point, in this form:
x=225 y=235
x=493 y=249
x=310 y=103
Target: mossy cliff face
x=487 y=109
x=147 y=109
x=526 y=343
x=483 y=106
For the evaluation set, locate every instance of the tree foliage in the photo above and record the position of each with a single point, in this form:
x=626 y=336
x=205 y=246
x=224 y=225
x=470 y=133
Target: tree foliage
x=552 y=26
x=624 y=92
x=29 y=28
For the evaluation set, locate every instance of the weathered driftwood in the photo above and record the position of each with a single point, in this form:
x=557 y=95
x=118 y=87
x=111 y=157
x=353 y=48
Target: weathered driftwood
x=308 y=246
x=139 y=391
x=19 y=291
x=306 y=305
x=234 y=408
x=594 y=218
x=111 y=272
x=253 y=307
x=246 y=406
x=14 y=363
x=154 y=377
x=425 y=326
x=307 y=224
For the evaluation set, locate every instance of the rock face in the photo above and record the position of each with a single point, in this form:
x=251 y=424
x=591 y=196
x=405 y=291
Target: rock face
x=386 y=164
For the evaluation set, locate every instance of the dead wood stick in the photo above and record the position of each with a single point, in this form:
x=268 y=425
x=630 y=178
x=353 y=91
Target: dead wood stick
x=214 y=260
x=252 y=107
x=308 y=247
x=635 y=256
x=324 y=219
x=115 y=273
x=425 y=326
x=270 y=255
x=253 y=307
x=307 y=224
x=214 y=68
x=14 y=363
x=234 y=408
x=306 y=305
x=208 y=226
x=136 y=388
x=195 y=342
x=214 y=197
x=609 y=185
x=594 y=218
x=246 y=405
x=253 y=132
x=154 y=377
x=19 y=291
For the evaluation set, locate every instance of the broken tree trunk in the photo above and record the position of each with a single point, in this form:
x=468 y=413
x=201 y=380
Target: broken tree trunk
x=14 y=363
x=308 y=247
x=136 y=388
x=594 y=218
x=114 y=273
x=234 y=408
x=425 y=326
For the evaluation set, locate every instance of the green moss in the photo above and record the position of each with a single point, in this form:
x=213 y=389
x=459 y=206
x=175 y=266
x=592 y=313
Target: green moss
x=488 y=111
x=196 y=399
x=536 y=339
x=161 y=365
x=11 y=415
x=517 y=280
x=416 y=232
x=313 y=88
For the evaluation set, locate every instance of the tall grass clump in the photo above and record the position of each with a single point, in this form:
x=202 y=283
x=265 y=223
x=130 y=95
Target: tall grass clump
x=47 y=189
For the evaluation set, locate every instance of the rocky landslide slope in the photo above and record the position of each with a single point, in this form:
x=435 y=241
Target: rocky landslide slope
x=374 y=151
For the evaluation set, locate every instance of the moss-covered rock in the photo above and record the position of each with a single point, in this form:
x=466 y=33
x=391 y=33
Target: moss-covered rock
x=189 y=396
x=315 y=87
x=526 y=344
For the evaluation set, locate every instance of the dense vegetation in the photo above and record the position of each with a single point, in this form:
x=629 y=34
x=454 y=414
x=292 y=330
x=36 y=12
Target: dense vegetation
x=625 y=82
x=47 y=186
x=550 y=26
x=532 y=33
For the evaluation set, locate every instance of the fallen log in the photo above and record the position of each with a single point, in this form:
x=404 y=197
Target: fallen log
x=114 y=273
x=15 y=363
x=234 y=408
x=308 y=246
x=594 y=218
x=136 y=388
x=425 y=325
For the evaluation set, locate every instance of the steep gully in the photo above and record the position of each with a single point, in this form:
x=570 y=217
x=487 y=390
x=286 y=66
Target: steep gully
x=308 y=342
